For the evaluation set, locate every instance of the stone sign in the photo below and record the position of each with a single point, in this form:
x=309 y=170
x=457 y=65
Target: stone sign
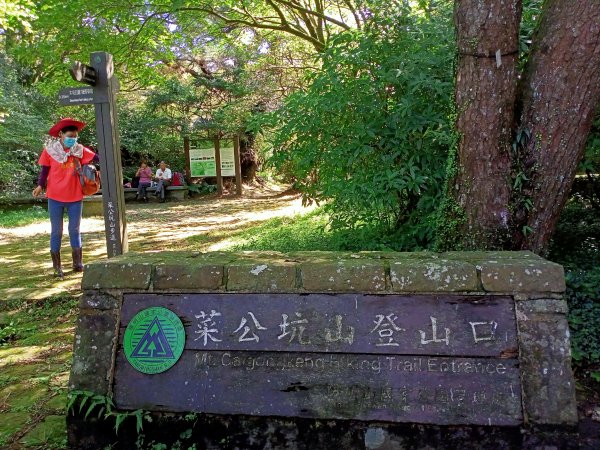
x=448 y=359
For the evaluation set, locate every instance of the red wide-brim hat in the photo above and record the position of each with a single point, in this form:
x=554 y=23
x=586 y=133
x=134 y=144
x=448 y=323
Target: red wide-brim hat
x=66 y=122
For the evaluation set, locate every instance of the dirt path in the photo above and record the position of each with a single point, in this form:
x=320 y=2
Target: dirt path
x=206 y=224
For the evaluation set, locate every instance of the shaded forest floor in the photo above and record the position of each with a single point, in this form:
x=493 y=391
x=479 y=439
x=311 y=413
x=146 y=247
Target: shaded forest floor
x=38 y=311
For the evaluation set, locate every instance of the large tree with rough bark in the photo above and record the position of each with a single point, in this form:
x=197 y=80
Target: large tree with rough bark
x=521 y=132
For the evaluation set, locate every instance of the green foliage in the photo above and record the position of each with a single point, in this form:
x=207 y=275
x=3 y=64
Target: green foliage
x=24 y=121
x=102 y=407
x=576 y=245
x=369 y=136
x=302 y=232
x=8 y=332
x=532 y=10
x=312 y=232
x=201 y=188
x=583 y=294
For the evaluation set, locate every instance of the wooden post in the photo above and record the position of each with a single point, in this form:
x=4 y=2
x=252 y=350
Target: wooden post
x=218 y=166
x=107 y=128
x=237 y=163
x=186 y=150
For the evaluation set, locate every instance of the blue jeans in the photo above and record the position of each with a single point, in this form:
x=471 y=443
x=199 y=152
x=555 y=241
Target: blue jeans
x=160 y=188
x=56 y=211
x=141 y=192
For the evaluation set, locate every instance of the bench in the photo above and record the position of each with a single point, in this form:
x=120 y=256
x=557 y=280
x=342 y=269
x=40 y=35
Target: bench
x=173 y=192
x=93 y=206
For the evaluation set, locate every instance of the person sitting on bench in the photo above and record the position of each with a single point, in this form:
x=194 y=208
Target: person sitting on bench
x=163 y=177
x=144 y=173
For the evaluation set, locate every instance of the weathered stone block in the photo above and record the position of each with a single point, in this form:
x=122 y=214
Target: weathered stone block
x=117 y=275
x=433 y=276
x=93 y=206
x=360 y=275
x=99 y=300
x=499 y=255
x=191 y=276
x=521 y=276
x=547 y=379
x=544 y=305
x=269 y=276
x=94 y=351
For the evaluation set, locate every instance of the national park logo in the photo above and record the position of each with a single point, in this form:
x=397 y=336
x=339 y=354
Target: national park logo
x=154 y=340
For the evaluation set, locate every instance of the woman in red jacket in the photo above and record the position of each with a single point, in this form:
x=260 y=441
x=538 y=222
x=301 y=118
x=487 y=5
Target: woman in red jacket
x=63 y=188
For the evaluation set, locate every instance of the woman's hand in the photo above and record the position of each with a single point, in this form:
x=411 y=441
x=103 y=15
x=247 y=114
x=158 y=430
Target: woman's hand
x=37 y=192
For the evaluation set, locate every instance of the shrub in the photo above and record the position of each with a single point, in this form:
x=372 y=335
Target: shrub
x=576 y=245
x=369 y=136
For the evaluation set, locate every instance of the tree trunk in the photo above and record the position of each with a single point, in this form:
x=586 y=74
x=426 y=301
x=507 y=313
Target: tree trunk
x=486 y=86
x=248 y=159
x=561 y=94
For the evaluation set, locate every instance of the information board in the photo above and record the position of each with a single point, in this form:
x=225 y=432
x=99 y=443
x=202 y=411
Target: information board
x=202 y=159
x=427 y=359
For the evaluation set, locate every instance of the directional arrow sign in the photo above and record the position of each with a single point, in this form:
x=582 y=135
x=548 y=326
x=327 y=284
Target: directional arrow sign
x=76 y=96
x=83 y=73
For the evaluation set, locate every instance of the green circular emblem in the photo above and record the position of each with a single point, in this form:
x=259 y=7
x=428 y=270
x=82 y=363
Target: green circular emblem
x=154 y=340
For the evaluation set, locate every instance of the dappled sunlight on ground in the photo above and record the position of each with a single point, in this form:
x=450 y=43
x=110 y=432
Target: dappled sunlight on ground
x=12 y=355
x=206 y=224
x=41 y=309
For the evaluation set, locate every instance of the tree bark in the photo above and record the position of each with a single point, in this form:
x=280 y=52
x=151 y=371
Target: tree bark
x=561 y=94
x=485 y=94
x=249 y=161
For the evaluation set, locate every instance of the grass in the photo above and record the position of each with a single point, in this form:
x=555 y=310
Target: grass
x=35 y=356
x=19 y=217
x=306 y=232
x=299 y=232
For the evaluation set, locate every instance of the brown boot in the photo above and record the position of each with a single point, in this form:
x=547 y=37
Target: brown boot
x=77 y=259
x=58 y=272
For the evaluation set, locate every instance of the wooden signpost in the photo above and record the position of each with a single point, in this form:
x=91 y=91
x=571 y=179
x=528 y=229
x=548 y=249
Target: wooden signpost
x=101 y=76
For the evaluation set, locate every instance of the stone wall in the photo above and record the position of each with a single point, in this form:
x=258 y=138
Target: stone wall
x=536 y=285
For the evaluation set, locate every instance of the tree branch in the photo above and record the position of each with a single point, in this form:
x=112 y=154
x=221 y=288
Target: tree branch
x=322 y=15
x=319 y=46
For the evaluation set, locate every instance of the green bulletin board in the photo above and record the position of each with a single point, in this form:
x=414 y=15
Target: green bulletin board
x=202 y=159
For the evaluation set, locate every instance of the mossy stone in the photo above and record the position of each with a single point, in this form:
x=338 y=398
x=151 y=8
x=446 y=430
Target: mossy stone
x=117 y=275
x=433 y=275
x=265 y=276
x=521 y=276
x=353 y=275
x=194 y=274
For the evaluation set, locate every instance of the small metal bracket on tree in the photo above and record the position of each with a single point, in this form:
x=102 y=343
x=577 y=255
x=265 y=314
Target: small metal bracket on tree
x=100 y=75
